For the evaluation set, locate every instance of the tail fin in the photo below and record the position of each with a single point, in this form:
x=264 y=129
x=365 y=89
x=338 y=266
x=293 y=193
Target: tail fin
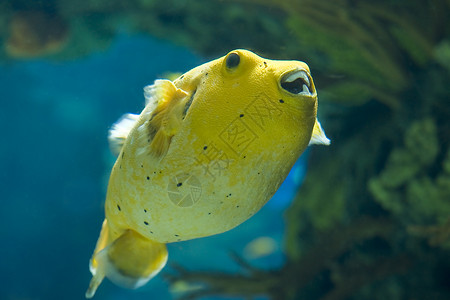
x=129 y=261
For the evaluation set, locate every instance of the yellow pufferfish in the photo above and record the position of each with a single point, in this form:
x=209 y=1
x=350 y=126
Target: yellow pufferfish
x=206 y=153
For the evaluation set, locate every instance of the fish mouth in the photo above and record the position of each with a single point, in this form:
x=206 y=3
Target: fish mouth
x=297 y=82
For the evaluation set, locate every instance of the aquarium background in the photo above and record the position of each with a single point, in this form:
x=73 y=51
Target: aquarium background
x=366 y=218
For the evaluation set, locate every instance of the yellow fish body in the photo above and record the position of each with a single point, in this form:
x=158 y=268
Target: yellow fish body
x=206 y=153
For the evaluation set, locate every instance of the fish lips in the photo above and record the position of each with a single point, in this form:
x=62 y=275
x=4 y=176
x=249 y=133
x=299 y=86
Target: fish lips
x=297 y=82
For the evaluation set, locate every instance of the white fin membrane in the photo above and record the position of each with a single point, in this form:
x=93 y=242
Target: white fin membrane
x=120 y=130
x=318 y=136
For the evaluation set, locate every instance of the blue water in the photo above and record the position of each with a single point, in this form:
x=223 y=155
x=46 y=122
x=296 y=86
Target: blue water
x=55 y=164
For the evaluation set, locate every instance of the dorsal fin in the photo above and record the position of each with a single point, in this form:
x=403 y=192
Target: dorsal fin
x=165 y=119
x=119 y=132
x=318 y=135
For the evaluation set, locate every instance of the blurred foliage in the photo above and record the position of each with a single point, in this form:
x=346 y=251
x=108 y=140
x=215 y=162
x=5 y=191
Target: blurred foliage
x=208 y=27
x=371 y=220
x=373 y=46
x=359 y=50
x=405 y=187
x=303 y=277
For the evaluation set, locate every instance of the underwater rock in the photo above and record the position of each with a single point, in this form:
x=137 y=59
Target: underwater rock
x=36 y=33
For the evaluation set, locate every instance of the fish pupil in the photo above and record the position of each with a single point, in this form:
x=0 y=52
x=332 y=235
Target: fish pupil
x=232 y=60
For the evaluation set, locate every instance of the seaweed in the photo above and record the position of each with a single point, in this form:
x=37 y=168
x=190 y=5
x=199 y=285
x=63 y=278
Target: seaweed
x=373 y=46
x=405 y=186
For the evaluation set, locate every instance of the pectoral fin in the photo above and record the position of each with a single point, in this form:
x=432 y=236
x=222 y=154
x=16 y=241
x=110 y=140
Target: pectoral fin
x=318 y=135
x=119 y=132
x=165 y=120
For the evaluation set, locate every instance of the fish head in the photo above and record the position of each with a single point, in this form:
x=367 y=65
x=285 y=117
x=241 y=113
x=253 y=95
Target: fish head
x=275 y=99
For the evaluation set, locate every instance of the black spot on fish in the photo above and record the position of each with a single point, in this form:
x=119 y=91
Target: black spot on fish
x=118 y=207
x=209 y=213
x=237 y=206
x=265 y=64
x=241 y=115
x=176 y=235
x=145 y=210
x=182 y=76
x=151 y=232
x=206 y=147
x=179 y=184
x=281 y=101
x=148 y=178
x=142 y=166
x=206 y=74
x=145 y=222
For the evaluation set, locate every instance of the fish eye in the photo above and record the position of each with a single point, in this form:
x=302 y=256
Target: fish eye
x=232 y=61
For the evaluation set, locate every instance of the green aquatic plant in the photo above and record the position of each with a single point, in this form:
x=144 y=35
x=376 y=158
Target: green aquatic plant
x=437 y=235
x=405 y=187
x=371 y=46
x=442 y=53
